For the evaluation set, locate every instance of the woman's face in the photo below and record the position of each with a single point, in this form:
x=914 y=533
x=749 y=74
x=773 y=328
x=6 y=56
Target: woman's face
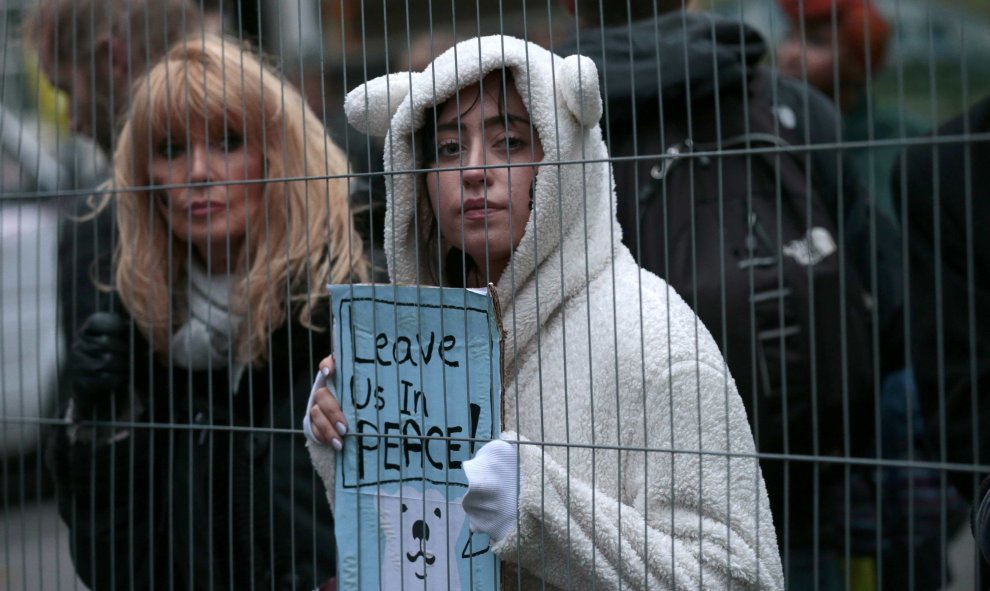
x=483 y=209
x=210 y=205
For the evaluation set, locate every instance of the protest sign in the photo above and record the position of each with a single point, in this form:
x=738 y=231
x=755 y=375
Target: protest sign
x=419 y=380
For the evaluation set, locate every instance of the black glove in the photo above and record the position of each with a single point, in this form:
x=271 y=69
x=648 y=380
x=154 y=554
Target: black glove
x=98 y=364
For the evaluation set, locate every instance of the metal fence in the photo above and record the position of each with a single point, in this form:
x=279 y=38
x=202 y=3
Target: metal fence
x=798 y=403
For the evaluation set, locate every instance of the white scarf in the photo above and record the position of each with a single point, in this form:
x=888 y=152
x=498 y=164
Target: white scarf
x=206 y=339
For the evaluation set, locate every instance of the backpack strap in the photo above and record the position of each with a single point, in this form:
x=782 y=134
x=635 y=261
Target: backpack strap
x=771 y=124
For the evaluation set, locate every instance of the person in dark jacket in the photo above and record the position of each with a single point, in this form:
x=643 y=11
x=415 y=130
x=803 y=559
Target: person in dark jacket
x=681 y=88
x=942 y=191
x=839 y=47
x=181 y=466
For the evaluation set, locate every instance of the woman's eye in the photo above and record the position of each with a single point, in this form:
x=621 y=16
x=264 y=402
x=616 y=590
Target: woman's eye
x=231 y=142
x=509 y=144
x=448 y=150
x=169 y=149
x=512 y=143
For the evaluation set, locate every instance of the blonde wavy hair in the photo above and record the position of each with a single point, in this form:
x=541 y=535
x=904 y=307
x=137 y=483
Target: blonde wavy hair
x=308 y=237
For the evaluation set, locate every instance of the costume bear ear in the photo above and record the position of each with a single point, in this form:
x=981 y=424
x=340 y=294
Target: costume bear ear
x=370 y=107
x=578 y=82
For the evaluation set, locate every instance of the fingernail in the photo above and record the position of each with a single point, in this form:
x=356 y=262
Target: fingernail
x=342 y=429
x=325 y=371
x=336 y=444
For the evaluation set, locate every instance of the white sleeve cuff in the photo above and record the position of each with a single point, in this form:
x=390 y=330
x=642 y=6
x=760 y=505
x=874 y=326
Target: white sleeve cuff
x=491 y=502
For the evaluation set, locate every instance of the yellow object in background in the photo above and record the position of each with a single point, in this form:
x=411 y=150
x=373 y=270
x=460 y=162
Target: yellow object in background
x=52 y=103
x=862 y=573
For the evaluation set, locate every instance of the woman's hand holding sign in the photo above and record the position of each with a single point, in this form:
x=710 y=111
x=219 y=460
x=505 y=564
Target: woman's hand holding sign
x=325 y=422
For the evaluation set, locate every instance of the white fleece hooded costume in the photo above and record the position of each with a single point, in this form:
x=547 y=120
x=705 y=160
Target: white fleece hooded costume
x=602 y=359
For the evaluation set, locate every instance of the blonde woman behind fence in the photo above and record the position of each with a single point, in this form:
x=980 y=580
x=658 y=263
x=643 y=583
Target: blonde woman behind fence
x=232 y=216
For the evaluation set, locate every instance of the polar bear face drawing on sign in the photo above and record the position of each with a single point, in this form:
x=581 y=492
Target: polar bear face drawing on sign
x=421 y=550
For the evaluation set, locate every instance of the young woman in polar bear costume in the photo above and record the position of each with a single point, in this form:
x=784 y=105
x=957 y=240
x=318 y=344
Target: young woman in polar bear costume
x=627 y=461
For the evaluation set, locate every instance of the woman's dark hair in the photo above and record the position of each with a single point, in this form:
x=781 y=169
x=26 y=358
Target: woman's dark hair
x=454 y=265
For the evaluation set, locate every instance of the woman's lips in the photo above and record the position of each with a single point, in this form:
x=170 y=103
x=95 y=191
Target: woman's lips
x=204 y=208
x=479 y=209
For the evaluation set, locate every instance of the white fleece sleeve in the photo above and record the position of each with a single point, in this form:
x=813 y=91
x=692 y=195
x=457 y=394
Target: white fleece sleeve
x=687 y=520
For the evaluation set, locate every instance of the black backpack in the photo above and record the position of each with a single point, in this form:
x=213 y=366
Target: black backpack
x=734 y=217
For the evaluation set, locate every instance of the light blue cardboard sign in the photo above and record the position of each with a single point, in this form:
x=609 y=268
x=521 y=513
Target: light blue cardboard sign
x=419 y=380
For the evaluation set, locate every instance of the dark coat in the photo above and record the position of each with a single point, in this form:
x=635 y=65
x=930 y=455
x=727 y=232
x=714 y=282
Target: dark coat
x=946 y=206
x=207 y=490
